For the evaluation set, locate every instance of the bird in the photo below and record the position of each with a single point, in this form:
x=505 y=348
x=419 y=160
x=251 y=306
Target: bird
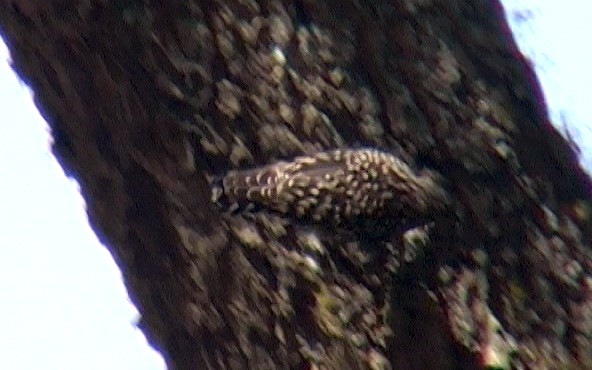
x=337 y=185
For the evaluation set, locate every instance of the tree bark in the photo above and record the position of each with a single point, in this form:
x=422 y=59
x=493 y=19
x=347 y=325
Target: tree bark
x=151 y=103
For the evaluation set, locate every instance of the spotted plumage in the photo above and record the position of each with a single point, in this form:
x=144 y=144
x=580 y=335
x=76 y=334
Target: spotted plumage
x=337 y=185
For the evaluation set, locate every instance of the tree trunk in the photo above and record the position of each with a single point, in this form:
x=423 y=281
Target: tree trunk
x=154 y=104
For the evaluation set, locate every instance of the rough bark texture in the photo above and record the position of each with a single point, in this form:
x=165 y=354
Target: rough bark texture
x=150 y=102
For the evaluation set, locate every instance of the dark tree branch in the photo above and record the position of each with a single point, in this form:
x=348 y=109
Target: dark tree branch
x=152 y=102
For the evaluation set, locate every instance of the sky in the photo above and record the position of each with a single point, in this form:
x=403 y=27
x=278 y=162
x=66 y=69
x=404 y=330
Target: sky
x=62 y=302
x=555 y=35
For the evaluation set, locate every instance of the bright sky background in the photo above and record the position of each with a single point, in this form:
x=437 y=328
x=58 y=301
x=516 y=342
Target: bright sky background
x=556 y=37
x=62 y=303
